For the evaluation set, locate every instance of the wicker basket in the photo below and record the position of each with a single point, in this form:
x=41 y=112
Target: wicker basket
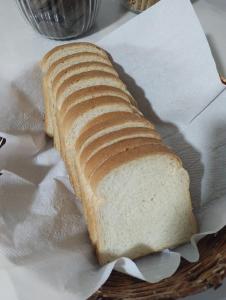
x=190 y=278
x=139 y=5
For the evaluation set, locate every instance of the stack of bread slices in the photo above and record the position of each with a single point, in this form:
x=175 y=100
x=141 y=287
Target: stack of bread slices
x=134 y=189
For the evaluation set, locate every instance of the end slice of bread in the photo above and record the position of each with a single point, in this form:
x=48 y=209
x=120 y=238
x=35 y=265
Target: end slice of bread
x=143 y=203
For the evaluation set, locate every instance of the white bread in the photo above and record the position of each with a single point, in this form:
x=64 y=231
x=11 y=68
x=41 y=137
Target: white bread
x=91 y=93
x=60 y=78
x=73 y=60
x=82 y=81
x=89 y=110
x=114 y=136
x=134 y=189
x=77 y=119
x=80 y=68
x=69 y=49
x=84 y=95
x=61 y=65
x=87 y=192
x=65 y=55
x=97 y=159
x=107 y=123
x=143 y=203
x=87 y=79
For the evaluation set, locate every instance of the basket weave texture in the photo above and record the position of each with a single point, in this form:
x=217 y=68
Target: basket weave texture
x=139 y=5
x=190 y=278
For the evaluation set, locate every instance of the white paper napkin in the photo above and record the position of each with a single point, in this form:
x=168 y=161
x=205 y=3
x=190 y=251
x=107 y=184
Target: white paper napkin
x=168 y=66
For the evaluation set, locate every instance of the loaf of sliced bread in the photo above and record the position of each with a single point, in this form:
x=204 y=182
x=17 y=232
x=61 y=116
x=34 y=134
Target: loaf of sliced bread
x=134 y=189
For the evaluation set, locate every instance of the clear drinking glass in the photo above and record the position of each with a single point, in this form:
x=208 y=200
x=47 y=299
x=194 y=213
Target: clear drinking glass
x=60 y=19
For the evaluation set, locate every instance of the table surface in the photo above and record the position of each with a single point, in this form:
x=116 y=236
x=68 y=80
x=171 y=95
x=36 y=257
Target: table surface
x=19 y=39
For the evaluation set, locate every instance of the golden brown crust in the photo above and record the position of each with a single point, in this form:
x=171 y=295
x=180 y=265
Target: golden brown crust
x=78 y=111
x=83 y=65
x=93 y=92
x=104 y=154
x=76 y=57
x=83 y=107
x=108 y=120
x=87 y=76
x=126 y=156
x=82 y=45
x=87 y=94
x=48 y=127
x=113 y=136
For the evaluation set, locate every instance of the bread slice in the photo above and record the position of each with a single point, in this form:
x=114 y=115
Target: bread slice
x=84 y=95
x=73 y=124
x=65 y=63
x=80 y=82
x=84 y=80
x=69 y=49
x=86 y=189
x=69 y=123
x=142 y=203
x=107 y=123
x=105 y=153
x=73 y=60
x=93 y=92
x=115 y=136
x=80 y=68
